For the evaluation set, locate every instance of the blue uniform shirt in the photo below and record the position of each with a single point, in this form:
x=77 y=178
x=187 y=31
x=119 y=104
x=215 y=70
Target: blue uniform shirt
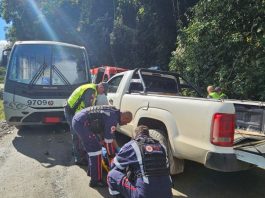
x=155 y=186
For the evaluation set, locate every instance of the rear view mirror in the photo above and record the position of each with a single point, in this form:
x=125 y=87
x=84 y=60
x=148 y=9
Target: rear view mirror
x=5 y=57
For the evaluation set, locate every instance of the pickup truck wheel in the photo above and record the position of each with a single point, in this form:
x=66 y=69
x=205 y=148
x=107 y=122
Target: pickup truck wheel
x=176 y=165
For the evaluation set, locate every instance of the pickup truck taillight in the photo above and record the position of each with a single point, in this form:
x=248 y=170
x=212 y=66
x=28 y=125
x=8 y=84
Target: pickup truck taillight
x=223 y=129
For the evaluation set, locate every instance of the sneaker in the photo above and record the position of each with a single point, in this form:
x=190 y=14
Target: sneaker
x=94 y=184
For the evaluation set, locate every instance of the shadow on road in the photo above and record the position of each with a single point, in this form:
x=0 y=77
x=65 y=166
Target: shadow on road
x=50 y=146
x=200 y=182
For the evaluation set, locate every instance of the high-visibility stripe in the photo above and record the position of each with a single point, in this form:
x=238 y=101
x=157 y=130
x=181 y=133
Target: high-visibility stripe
x=115 y=161
x=94 y=153
x=108 y=140
x=113 y=192
x=140 y=160
x=110 y=148
x=127 y=184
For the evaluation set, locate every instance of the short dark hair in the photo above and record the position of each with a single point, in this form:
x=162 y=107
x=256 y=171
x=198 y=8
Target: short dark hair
x=142 y=130
x=218 y=89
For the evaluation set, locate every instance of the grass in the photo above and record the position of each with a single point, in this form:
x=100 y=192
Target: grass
x=2 y=115
x=2 y=74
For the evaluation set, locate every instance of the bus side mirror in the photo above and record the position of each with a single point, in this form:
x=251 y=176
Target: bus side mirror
x=5 y=57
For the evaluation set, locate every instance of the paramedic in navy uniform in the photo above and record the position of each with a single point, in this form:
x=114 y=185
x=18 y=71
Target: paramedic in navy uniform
x=96 y=124
x=140 y=169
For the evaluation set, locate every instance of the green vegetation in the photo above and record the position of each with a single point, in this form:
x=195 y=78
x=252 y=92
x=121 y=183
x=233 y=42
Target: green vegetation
x=207 y=41
x=2 y=115
x=2 y=74
x=224 y=45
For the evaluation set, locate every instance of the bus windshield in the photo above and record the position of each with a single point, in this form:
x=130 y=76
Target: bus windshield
x=44 y=64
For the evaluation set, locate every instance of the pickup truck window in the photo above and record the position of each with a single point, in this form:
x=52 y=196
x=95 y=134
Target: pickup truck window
x=114 y=84
x=160 y=84
x=135 y=87
x=153 y=83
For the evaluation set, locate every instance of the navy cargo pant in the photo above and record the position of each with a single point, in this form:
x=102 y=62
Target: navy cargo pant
x=119 y=184
x=78 y=149
x=91 y=144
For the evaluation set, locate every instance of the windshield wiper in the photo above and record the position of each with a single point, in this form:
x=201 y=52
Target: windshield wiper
x=41 y=70
x=61 y=76
x=38 y=74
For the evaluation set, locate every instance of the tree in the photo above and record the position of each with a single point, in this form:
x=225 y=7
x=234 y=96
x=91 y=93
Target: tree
x=41 y=20
x=144 y=33
x=224 y=45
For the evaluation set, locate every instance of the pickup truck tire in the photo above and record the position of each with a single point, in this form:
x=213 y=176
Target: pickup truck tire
x=176 y=165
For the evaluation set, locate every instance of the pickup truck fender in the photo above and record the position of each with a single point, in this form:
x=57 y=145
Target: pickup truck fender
x=158 y=118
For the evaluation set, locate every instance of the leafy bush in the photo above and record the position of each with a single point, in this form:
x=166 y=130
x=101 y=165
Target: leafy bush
x=224 y=45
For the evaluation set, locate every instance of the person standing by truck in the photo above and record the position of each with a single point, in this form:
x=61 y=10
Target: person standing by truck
x=220 y=92
x=212 y=93
x=96 y=124
x=141 y=168
x=102 y=95
x=82 y=97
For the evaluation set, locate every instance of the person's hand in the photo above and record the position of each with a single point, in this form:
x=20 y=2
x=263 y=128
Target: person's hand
x=117 y=149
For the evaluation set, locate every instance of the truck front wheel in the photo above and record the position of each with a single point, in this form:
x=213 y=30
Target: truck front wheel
x=176 y=165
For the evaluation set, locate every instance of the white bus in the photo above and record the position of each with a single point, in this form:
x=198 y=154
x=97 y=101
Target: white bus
x=40 y=77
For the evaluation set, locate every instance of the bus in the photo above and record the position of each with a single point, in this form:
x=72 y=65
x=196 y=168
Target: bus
x=40 y=77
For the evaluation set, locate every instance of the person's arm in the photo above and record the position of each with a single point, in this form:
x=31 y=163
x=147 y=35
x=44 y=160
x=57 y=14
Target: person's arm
x=89 y=97
x=125 y=157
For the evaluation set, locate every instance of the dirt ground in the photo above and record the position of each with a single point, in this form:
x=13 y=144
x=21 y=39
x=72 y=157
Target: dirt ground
x=37 y=162
x=5 y=128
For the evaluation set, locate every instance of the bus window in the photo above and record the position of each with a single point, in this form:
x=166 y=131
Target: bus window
x=69 y=63
x=46 y=65
x=27 y=61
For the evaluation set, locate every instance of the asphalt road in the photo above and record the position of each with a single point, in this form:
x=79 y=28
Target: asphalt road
x=38 y=163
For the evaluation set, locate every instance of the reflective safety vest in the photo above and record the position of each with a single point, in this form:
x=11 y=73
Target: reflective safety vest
x=214 y=95
x=75 y=101
x=223 y=96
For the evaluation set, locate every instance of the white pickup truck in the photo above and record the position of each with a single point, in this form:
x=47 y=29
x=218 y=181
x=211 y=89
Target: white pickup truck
x=192 y=127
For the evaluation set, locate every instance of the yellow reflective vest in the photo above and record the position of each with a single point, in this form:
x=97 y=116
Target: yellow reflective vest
x=75 y=101
x=214 y=95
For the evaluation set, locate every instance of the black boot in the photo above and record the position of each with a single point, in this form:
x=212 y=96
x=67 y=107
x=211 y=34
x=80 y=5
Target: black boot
x=95 y=184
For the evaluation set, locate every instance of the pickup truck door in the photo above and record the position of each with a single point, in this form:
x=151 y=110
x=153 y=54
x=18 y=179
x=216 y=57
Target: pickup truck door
x=115 y=90
x=249 y=142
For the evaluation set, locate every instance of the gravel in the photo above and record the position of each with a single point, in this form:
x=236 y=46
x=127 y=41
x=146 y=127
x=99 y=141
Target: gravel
x=5 y=128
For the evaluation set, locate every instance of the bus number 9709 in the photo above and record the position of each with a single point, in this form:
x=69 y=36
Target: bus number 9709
x=40 y=102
